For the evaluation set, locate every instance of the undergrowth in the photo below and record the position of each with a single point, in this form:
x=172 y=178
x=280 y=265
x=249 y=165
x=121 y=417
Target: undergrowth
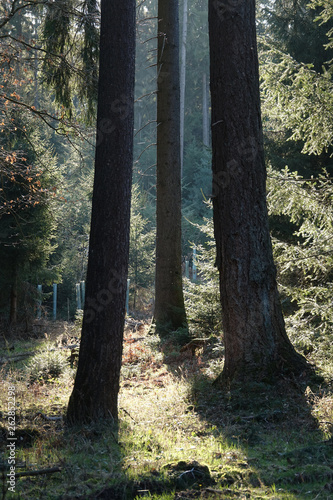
x=178 y=436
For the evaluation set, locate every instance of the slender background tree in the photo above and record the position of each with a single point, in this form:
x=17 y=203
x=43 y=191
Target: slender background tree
x=169 y=311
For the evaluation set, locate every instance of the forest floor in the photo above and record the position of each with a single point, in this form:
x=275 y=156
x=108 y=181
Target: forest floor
x=178 y=436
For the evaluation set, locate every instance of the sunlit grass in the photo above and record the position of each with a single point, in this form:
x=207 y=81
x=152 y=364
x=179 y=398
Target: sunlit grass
x=257 y=443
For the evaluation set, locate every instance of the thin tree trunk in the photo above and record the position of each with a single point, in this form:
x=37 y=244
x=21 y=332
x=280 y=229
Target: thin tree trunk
x=256 y=344
x=169 y=311
x=183 y=84
x=36 y=90
x=205 y=112
x=96 y=385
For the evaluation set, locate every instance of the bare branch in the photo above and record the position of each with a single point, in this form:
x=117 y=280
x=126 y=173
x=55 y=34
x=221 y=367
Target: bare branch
x=15 y=10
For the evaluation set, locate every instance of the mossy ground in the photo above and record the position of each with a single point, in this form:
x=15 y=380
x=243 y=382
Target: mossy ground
x=178 y=436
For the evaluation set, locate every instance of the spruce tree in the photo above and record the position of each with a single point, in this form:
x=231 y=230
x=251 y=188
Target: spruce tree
x=96 y=387
x=169 y=313
x=256 y=344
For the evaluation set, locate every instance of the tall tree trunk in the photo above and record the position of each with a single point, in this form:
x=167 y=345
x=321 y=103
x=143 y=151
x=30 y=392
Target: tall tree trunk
x=183 y=84
x=96 y=387
x=169 y=311
x=256 y=344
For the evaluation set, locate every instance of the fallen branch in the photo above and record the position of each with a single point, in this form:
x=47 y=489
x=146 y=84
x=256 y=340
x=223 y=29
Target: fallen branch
x=125 y=411
x=38 y=472
x=45 y=417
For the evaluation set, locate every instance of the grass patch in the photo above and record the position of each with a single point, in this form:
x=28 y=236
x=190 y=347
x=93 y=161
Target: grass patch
x=178 y=437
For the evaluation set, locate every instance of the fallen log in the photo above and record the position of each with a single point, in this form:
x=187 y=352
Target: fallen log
x=38 y=472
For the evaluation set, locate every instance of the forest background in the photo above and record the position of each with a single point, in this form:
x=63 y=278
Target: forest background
x=47 y=104
x=47 y=151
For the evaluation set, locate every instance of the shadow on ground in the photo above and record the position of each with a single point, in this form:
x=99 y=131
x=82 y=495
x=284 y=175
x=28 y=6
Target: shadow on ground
x=277 y=429
x=269 y=441
x=275 y=447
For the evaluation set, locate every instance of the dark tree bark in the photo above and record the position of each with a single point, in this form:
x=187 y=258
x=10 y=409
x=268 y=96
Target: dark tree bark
x=14 y=293
x=13 y=303
x=256 y=344
x=96 y=386
x=169 y=311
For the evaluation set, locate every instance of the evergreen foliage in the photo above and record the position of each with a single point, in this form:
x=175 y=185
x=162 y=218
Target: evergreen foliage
x=27 y=222
x=299 y=99
x=70 y=41
x=46 y=366
x=325 y=16
x=142 y=250
x=305 y=258
x=297 y=104
x=45 y=185
x=73 y=216
x=197 y=187
x=202 y=298
x=296 y=73
x=290 y=27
